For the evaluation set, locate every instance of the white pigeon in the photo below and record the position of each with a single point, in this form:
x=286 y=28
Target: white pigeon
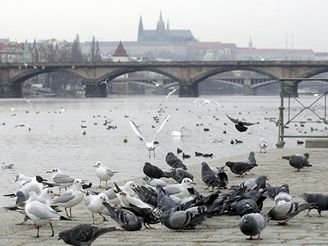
x=41 y=213
x=103 y=173
x=149 y=145
x=263 y=145
x=174 y=189
x=94 y=203
x=61 y=179
x=70 y=198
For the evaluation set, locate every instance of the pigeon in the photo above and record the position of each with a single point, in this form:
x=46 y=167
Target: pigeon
x=155 y=172
x=298 y=161
x=187 y=219
x=283 y=211
x=272 y=191
x=320 y=200
x=124 y=218
x=155 y=182
x=103 y=173
x=83 y=234
x=179 y=174
x=283 y=195
x=239 y=167
x=241 y=126
x=174 y=161
x=41 y=213
x=254 y=184
x=252 y=224
x=210 y=178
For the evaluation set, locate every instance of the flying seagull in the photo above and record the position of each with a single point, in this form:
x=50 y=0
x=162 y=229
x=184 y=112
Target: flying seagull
x=149 y=145
x=173 y=89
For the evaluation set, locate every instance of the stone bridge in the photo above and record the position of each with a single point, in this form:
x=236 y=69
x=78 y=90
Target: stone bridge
x=187 y=74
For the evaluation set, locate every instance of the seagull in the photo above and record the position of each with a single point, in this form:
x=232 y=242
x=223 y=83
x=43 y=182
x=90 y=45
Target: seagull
x=61 y=179
x=41 y=214
x=173 y=189
x=155 y=83
x=103 y=173
x=94 y=203
x=83 y=234
x=263 y=145
x=8 y=166
x=149 y=145
x=22 y=179
x=70 y=198
x=171 y=92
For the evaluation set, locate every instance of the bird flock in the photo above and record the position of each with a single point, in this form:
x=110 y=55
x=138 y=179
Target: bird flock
x=166 y=198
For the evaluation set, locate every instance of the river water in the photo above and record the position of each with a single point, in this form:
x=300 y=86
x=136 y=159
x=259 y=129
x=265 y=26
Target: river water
x=56 y=138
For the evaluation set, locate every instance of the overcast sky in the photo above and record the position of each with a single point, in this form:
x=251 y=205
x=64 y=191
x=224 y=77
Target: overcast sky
x=270 y=23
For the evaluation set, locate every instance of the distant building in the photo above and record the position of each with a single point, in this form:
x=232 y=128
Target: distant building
x=162 y=34
x=120 y=54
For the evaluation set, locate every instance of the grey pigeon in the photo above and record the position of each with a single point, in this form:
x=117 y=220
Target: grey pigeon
x=241 y=126
x=174 y=161
x=124 y=218
x=180 y=220
x=320 y=200
x=284 y=211
x=252 y=224
x=272 y=191
x=254 y=184
x=241 y=167
x=210 y=178
x=298 y=161
x=83 y=234
x=179 y=174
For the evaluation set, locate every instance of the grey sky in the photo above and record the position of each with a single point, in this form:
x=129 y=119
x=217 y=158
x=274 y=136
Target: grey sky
x=270 y=23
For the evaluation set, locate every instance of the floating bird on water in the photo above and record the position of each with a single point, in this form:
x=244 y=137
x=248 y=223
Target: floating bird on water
x=149 y=145
x=178 y=133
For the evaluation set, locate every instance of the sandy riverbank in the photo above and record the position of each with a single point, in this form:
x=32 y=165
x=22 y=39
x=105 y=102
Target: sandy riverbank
x=217 y=230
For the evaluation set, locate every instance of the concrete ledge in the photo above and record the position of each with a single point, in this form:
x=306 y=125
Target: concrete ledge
x=316 y=143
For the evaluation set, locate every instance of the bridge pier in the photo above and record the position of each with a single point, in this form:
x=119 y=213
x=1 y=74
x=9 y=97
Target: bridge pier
x=188 y=90
x=95 y=90
x=290 y=88
x=11 y=90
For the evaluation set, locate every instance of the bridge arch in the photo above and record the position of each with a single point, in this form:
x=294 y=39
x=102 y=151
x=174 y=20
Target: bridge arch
x=118 y=72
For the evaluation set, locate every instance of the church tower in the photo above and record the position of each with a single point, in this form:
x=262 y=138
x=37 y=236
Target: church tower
x=140 y=30
x=160 y=24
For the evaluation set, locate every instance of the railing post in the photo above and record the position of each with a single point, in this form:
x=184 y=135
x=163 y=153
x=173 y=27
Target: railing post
x=281 y=142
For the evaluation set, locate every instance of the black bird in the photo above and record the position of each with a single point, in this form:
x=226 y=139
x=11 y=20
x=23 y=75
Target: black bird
x=208 y=155
x=240 y=168
x=179 y=151
x=185 y=156
x=124 y=218
x=154 y=172
x=83 y=234
x=272 y=191
x=174 y=161
x=241 y=126
x=198 y=153
x=298 y=161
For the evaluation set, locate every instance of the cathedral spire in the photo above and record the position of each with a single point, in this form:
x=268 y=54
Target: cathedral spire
x=160 y=23
x=140 y=29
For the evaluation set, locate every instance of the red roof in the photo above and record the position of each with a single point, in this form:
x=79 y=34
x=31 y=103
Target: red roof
x=120 y=51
